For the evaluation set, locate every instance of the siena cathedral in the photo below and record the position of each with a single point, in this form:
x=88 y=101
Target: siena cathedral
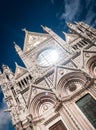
x=57 y=88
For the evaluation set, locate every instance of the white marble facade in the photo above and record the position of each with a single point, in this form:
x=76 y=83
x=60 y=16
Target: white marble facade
x=58 y=73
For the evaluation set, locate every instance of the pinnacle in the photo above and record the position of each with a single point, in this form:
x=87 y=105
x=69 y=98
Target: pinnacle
x=3 y=65
x=16 y=64
x=42 y=26
x=25 y=30
x=64 y=33
x=14 y=43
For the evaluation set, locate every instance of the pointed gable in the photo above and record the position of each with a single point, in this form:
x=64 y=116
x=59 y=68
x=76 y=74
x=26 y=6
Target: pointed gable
x=32 y=39
x=70 y=37
x=19 y=71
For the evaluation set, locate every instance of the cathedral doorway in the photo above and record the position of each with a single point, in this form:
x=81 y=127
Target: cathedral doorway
x=87 y=105
x=58 y=126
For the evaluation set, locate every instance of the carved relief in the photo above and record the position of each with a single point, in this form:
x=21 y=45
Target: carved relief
x=52 y=88
x=34 y=39
x=71 y=83
x=91 y=65
x=42 y=103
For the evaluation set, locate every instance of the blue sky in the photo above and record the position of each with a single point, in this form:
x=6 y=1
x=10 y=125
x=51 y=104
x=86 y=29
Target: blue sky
x=31 y=14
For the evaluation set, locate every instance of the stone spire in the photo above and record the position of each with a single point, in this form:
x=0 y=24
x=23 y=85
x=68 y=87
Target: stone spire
x=18 y=49
x=7 y=72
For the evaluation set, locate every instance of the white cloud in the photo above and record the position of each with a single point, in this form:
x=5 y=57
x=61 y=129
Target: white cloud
x=52 y=1
x=90 y=17
x=71 y=8
x=74 y=10
x=4 y=118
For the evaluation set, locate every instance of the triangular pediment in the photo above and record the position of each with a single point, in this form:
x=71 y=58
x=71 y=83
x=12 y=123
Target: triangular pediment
x=60 y=71
x=70 y=37
x=87 y=55
x=20 y=71
x=32 y=39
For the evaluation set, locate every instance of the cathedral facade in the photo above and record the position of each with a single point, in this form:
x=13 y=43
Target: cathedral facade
x=57 y=89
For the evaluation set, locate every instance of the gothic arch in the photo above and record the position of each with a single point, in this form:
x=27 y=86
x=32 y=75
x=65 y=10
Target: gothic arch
x=71 y=83
x=41 y=103
x=91 y=66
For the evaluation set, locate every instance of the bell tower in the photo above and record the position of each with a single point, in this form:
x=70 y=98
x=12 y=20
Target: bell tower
x=57 y=88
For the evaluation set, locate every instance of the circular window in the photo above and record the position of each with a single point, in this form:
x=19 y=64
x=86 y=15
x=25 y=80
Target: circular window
x=72 y=86
x=71 y=83
x=48 y=57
